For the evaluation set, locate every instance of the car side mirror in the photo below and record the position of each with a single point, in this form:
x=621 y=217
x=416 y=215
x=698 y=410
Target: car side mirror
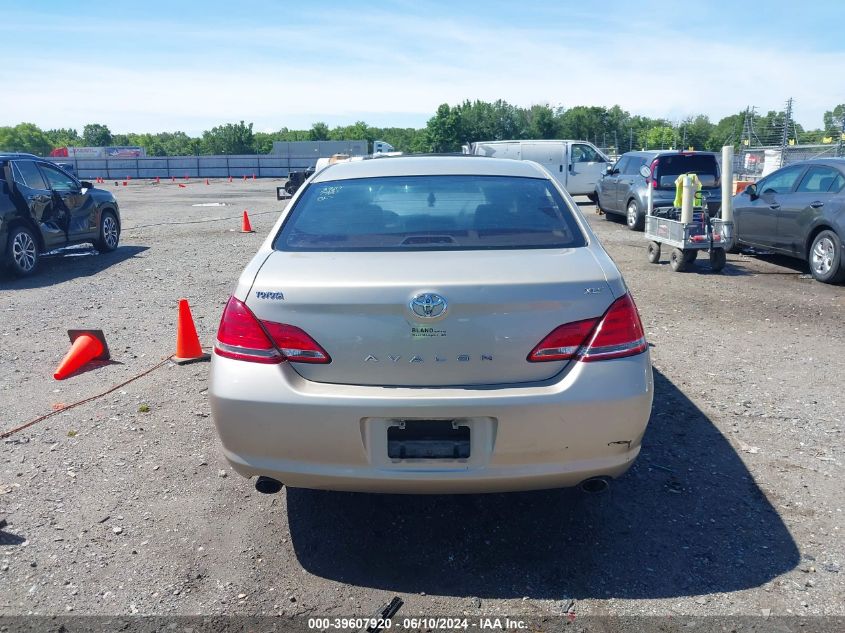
x=751 y=190
x=85 y=185
x=645 y=172
x=608 y=170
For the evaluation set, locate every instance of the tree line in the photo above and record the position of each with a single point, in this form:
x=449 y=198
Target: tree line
x=451 y=127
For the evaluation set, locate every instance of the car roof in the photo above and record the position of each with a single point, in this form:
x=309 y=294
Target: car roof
x=666 y=152
x=459 y=165
x=832 y=161
x=13 y=155
x=535 y=140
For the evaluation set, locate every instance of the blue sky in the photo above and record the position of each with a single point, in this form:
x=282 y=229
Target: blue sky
x=154 y=66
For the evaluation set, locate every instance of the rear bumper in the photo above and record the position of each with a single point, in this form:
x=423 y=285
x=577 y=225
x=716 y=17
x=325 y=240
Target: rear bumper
x=587 y=423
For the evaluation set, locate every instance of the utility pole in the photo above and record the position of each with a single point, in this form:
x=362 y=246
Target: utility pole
x=748 y=135
x=840 y=145
x=784 y=143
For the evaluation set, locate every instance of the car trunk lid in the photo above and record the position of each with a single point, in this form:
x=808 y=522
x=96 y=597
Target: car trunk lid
x=500 y=304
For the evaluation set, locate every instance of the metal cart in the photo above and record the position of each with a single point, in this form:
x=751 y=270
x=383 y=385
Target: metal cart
x=664 y=226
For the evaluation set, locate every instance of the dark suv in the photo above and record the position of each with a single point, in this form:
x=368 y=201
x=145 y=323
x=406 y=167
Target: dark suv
x=624 y=191
x=42 y=208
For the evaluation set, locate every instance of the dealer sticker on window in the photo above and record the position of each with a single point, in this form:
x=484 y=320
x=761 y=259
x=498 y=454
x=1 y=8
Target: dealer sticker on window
x=419 y=331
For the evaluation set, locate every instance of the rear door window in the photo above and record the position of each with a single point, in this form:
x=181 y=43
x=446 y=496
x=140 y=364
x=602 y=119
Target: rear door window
x=25 y=172
x=430 y=213
x=819 y=179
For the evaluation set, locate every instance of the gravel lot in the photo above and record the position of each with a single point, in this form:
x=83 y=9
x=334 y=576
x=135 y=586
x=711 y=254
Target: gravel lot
x=125 y=505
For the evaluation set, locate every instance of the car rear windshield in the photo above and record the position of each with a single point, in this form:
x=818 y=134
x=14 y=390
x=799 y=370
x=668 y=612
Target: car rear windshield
x=670 y=167
x=430 y=212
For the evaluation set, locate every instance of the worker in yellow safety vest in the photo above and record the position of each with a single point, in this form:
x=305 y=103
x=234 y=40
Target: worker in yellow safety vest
x=698 y=201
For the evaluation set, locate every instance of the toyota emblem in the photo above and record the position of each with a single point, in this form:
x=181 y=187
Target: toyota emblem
x=428 y=306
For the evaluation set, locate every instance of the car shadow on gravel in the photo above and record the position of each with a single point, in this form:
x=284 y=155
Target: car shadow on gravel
x=790 y=265
x=68 y=264
x=9 y=539
x=687 y=519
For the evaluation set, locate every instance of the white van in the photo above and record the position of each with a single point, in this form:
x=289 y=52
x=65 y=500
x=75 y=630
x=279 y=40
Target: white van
x=576 y=165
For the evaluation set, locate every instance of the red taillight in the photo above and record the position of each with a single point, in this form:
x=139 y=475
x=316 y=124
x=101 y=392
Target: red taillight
x=243 y=337
x=617 y=334
x=564 y=342
x=653 y=174
x=295 y=345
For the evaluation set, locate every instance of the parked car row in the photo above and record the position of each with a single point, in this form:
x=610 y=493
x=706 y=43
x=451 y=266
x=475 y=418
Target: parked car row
x=798 y=210
x=623 y=189
x=43 y=208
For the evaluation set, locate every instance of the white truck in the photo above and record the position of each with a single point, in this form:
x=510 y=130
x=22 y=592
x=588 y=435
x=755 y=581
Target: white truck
x=576 y=165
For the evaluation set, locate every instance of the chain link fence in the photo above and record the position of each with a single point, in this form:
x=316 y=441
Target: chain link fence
x=756 y=162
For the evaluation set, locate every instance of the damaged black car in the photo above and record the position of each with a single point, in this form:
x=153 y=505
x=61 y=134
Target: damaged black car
x=44 y=208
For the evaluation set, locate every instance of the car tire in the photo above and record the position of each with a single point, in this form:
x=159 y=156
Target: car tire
x=677 y=260
x=22 y=252
x=634 y=216
x=654 y=252
x=825 y=258
x=717 y=259
x=593 y=197
x=109 y=234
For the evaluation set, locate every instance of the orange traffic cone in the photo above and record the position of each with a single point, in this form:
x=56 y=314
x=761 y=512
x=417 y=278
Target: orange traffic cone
x=253 y=175
x=230 y=179
x=246 y=227
x=173 y=179
x=188 y=348
x=87 y=345
x=244 y=177
x=124 y=183
x=206 y=181
x=181 y=186
x=158 y=179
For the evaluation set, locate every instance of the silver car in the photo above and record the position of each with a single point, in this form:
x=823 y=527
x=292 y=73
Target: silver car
x=431 y=325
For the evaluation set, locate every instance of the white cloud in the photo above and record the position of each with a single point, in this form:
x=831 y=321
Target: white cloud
x=282 y=76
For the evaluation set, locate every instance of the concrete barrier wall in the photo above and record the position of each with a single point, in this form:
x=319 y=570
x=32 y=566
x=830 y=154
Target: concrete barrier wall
x=262 y=166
